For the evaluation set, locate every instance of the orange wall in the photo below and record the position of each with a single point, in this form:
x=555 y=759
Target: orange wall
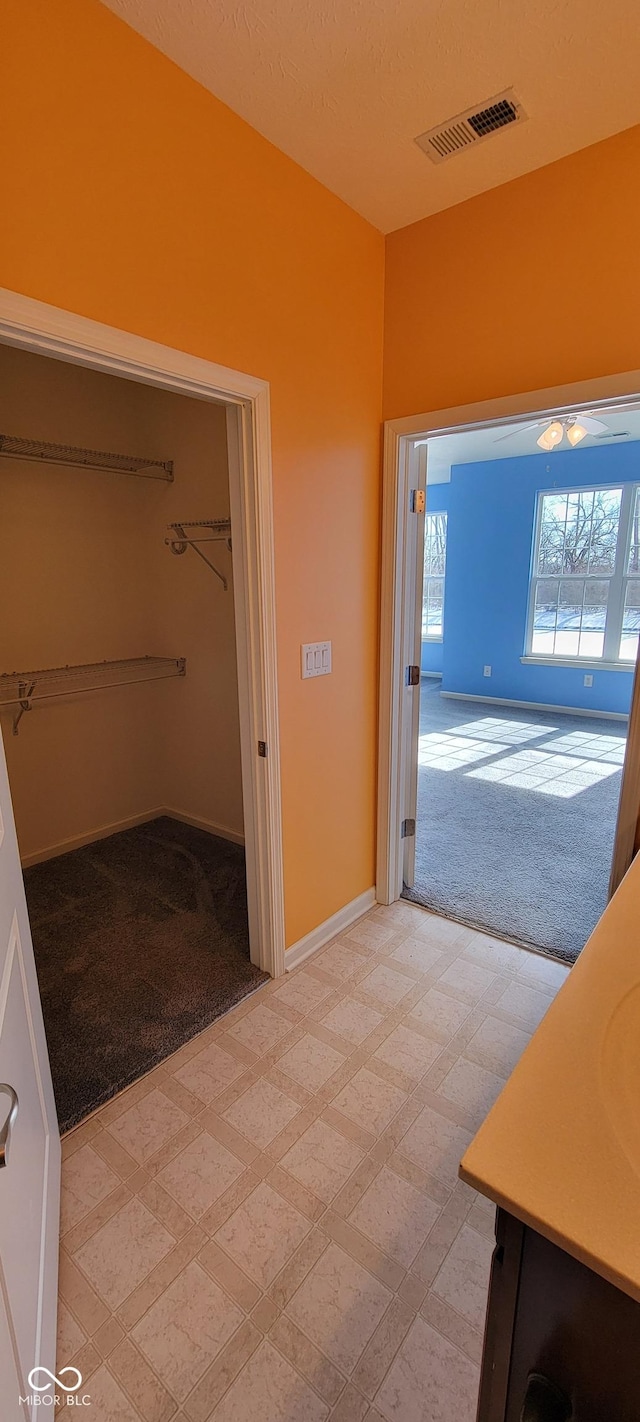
x=133 y=197
x=536 y=283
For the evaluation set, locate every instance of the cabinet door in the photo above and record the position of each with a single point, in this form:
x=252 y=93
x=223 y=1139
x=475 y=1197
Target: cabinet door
x=577 y=1331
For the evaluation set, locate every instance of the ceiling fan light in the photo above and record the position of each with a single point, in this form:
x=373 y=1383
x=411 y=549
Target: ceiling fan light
x=576 y=432
x=551 y=436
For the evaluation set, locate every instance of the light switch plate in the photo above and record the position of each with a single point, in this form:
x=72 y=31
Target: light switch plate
x=486 y=671
x=315 y=659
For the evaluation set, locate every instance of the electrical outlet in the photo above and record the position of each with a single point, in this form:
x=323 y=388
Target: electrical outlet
x=315 y=659
x=486 y=671
x=588 y=681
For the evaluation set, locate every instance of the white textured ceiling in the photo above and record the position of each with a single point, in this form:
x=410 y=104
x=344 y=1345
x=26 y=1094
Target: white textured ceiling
x=510 y=441
x=344 y=86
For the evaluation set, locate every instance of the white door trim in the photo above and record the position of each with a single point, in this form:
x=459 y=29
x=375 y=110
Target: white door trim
x=397 y=597
x=35 y=326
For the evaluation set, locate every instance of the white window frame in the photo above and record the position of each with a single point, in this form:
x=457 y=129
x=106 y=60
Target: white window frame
x=610 y=660
x=436 y=577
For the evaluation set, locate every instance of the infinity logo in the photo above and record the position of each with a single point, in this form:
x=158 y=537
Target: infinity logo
x=42 y=1387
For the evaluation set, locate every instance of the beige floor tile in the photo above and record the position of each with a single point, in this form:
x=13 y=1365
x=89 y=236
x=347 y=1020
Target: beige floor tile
x=322 y=1160
x=148 y=1125
x=87 y=1179
x=524 y=1002
x=302 y=991
x=200 y=1174
x=468 y=980
x=408 y=1052
x=543 y=972
x=260 y=1029
x=124 y=1251
x=439 y=1014
x=262 y=1234
x=395 y=1216
x=261 y=1113
x=339 y=1305
x=341 y=961
x=435 y=1144
x=70 y=1338
x=493 y=954
x=443 y=932
x=370 y=935
x=386 y=986
x=183 y=1332
x=472 y=1087
x=418 y=953
x=496 y=1045
x=352 y=1020
x=429 y=1381
x=463 y=1279
x=270 y=1390
x=311 y=1062
x=400 y=1234
x=209 y=1073
x=108 y=1402
x=369 y=1102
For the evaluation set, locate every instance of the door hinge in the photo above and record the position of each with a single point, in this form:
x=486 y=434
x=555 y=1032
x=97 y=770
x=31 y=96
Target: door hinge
x=262 y=749
x=407 y=829
x=413 y=676
x=418 y=501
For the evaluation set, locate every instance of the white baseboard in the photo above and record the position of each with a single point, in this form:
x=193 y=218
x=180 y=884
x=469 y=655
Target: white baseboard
x=78 y=840
x=220 y=830
x=537 y=706
x=92 y=836
x=311 y=942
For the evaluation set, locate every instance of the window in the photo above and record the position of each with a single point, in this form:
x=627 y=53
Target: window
x=435 y=554
x=585 y=587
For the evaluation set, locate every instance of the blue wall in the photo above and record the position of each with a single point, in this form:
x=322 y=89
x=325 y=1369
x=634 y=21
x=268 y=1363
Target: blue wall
x=491 y=512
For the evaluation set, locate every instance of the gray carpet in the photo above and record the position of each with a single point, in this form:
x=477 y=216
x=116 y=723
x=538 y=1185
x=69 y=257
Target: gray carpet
x=520 y=863
x=141 y=940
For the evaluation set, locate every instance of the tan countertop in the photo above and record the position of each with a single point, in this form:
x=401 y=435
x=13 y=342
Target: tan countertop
x=561 y=1147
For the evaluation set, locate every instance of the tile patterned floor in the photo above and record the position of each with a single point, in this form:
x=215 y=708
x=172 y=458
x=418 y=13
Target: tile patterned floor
x=270 y=1224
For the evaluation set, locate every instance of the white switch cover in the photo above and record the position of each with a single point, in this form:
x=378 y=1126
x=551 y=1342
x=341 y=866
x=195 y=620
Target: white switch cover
x=316 y=659
x=486 y=671
x=588 y=681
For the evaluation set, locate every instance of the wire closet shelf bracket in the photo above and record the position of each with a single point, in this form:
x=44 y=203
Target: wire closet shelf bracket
x=214 y=530
x=22 y=689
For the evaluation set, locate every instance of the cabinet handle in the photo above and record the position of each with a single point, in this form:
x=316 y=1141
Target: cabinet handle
x=544 y=1402
x=5 y=1129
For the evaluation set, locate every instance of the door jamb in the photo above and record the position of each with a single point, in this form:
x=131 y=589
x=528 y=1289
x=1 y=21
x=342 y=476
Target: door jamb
x=48 y=330
x=396 y=597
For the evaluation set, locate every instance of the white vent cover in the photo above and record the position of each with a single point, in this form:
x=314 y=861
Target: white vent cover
x=471 y=127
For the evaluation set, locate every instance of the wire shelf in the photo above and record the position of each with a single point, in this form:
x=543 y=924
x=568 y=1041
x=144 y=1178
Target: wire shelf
x=22 y=689
x=40 y=451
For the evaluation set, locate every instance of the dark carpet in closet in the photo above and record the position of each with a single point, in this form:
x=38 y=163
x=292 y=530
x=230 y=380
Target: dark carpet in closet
x=141 y=940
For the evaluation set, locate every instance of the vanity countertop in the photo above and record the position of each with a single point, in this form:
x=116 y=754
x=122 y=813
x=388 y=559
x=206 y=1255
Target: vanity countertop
x=560 y=1149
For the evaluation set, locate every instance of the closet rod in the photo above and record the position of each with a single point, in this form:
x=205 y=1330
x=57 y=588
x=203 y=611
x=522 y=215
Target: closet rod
x=218 y=530
x=40 y=451
x=23 y=688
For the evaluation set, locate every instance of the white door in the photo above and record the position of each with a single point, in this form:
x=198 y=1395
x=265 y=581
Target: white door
x=412 y=649
x=29 y=1148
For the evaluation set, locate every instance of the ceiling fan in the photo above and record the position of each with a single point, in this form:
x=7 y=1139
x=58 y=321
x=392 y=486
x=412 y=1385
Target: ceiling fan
x=574 y=427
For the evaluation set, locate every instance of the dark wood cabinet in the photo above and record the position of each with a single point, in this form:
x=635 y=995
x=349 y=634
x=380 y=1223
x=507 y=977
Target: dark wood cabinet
x=561 y=1344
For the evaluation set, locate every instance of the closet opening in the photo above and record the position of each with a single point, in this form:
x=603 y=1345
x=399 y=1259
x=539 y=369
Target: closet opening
x=121 y=710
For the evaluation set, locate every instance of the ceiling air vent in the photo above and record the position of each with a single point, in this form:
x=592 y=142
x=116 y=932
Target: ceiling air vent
x=471 y=127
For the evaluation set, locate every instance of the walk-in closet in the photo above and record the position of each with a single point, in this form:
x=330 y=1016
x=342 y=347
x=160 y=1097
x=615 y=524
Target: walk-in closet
x=120 y=716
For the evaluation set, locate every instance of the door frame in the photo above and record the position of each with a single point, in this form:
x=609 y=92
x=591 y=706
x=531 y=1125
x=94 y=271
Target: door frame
x=48 y=330
x=397 y=614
